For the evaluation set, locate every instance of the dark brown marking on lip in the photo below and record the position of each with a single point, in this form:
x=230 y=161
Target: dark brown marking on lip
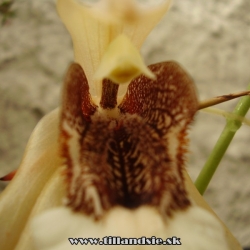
x=77 y=108
x=136 y=159
x=163 y=102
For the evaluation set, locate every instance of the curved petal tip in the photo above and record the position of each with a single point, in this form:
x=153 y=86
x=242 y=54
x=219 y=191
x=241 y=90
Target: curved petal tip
x=122 y=62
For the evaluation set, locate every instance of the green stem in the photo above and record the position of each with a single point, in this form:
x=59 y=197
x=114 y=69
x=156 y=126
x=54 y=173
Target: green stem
x=222 y=144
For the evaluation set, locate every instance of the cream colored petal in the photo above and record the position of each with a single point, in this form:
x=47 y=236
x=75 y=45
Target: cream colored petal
x=52 y=229
x=199 y=200
x=51 y=196
x=91 y=35
x=116 y=11
x=39 y=163
x=122 y=62
x=196 y=228
x=49 y=234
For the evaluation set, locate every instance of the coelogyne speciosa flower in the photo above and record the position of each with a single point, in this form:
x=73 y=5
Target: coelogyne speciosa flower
x=111 y=162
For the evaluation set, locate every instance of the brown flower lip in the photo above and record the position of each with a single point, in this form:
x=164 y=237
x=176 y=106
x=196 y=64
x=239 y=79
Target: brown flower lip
x=136 y=158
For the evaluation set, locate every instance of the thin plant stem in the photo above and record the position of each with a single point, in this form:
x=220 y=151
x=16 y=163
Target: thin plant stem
x=222 y=144
x=223 y=98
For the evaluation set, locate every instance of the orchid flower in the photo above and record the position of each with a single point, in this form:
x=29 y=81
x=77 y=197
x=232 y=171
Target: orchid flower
x=111 y=160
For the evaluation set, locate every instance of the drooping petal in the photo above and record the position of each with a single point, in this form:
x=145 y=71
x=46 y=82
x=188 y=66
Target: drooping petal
x=39 y=163
x=91 y=35
x=51 y=196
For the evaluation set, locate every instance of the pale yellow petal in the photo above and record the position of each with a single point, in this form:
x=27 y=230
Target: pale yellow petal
x=51 y=196
x=122 y=62
x=91 y=35
x=39 y=163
